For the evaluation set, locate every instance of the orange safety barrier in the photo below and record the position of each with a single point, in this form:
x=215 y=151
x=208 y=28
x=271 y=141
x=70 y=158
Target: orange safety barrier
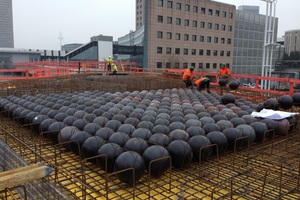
x=73 y=64
x=21 y=74
x=45 y=69
x=177 y=73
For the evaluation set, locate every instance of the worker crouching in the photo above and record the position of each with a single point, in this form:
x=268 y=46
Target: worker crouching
x=115 y=69
x=202 y=84
x=188 y=77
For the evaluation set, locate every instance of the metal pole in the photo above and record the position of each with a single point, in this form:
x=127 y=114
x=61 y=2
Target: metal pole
x=264 y=52
x=272 y=37
x=269 y=42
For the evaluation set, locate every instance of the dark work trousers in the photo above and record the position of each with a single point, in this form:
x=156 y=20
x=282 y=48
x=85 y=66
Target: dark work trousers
x=205 y=84
x=188 y=83
x=108 y=67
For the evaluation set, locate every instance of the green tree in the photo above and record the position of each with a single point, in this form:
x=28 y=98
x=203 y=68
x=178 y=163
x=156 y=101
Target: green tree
x=295 y=55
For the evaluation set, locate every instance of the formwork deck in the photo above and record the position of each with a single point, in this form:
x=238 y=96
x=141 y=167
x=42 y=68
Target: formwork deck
x=268 y=170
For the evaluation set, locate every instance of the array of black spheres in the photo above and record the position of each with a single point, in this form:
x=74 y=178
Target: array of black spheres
x=144 y=130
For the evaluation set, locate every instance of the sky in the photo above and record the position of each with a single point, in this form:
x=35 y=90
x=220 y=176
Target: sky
x=38 y=24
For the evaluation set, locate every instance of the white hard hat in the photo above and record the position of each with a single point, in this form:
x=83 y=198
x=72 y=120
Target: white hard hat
x=109 y=56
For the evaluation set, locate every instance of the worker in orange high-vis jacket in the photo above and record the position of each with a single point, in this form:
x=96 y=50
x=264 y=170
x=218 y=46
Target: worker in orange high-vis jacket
x=224 y=72
x=203 y=83
x=188 y=77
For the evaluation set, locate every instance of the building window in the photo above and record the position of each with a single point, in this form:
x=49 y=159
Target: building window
x=194 y=23
x=208 y=52
x=187 y=7
x=194 y=38
x=169 y=20
x=178 y=21
x=215 y=53
x=160 y=19
x=207 y=65
x=201 y=52
x=193 y=52
x=195 y=9
x=221 y=53
x=201 y=38
x=208 y=39
x=168 y=50
x=178 y=6
x=202 y=24
x=168 y=65
x=176 y=65
x=228 y=53
x=217 y=13
x=202 y=10
x=216 y=40
x=186 y=22
x=200 y=65
x=223 y=27
x=159 y=34
x=210 y=12
x=224 y=14
x=228 y=40
x=209 y=25
x=169 y=35
x=193 y=64
x=216 y=26
x=214 y=65
x=159 y=50
x=177 y=36
x=177 y=51
x=184 y=65
x=186 y=37
x=230 y=28
x=160 y=3
x=222 y=40
x=159 y=64
x=186 y=51
x=230 y=15
x=170 y=4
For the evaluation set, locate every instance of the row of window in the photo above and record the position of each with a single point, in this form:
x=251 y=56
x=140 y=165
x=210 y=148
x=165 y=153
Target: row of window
x=195 y=9
x=186 y=37
x=186 y=65
x=160 y=19
x=193 y=52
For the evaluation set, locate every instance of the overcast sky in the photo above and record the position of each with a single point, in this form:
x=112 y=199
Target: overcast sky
x=38 y=23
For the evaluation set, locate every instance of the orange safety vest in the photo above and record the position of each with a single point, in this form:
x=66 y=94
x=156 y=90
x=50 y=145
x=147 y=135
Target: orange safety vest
x=224 y=71
x=198 y=82
x=187 y=75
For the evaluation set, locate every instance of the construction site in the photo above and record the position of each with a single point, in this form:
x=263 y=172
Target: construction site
x=34 y=165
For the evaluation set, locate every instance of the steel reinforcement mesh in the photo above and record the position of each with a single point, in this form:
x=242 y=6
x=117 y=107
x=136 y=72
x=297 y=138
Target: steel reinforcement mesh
x=268 y=170
x=80 y=83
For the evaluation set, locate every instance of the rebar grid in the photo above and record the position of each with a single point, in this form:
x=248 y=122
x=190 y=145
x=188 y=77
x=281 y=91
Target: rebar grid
x=81 y=83
x=268 y=170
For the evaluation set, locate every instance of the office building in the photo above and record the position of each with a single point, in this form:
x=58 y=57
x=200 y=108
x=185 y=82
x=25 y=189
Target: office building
x=6 y=24
x=179 y=34
x=252 y=9
x=70 y=47
x=249 y=41
x=292 y=41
